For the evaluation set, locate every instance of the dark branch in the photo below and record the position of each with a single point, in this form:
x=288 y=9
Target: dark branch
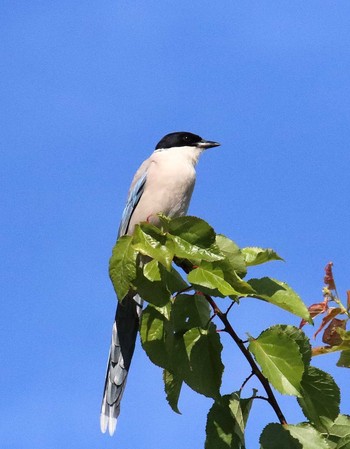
x=187 y=267
x=246 y=380
x=255 y=369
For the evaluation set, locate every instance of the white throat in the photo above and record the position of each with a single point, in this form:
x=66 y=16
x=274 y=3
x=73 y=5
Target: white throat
x=190 y=153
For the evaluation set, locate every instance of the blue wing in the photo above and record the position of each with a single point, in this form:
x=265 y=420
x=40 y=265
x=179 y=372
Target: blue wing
x=132 y=201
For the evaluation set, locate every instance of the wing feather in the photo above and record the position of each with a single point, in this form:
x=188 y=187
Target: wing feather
x=136 y=190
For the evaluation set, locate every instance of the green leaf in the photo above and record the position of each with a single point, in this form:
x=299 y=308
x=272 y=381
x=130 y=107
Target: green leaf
x=172 y=386
x=190 y=311
x=197 y=360
x=280 y=359
x=156 y=335
x=275 y=436
x=256 y=256
x=320 y=397
x=151 y=271
x=246 y=405
x=150 y=241
x=344 y=359
x=211 y=282
x=224 y=268
x=155 y=283
x=344 y=443
x=192 y=230
x=345 y=335
x=164 y=221
x=193 y=238
x=186 y=250
x=154 y=292
x=280 y=294
x=234 y=258
x=226 y=424
x=193 y=356
x=340 y=428
x=240 y=286
x=343 y=346
x=122 y=266
x=300 y=339
x=319 y=350
x=307 y=436
x=173 y=280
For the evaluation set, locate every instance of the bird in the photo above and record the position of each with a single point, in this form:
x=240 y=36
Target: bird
x=163 y=184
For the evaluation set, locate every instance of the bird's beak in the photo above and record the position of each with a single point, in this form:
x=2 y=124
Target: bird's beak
x=207 y=144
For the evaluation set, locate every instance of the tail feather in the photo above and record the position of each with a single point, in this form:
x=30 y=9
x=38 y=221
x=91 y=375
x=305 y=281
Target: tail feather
x=122 y=348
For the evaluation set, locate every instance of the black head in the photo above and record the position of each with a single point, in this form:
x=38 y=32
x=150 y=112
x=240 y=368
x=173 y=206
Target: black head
x=179 y=139
x=184 y=139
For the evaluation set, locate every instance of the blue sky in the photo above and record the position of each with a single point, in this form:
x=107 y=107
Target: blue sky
x=87 y=90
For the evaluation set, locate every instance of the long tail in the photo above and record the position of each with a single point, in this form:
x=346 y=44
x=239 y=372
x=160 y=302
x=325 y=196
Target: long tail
x=122 y=348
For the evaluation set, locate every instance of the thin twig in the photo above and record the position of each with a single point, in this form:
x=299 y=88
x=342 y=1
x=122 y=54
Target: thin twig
x=186 y=289
x=210 y=320
x=262 y=397
x=246 y=381
x=229 y=308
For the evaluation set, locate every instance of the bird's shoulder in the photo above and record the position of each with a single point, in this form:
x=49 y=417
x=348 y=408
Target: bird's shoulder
x=140 y=173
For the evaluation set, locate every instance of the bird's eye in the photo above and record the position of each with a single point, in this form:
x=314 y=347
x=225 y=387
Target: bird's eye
x=185 y=138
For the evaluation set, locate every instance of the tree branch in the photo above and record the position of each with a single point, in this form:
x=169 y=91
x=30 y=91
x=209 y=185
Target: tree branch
x=255 y=369
x=187 y=267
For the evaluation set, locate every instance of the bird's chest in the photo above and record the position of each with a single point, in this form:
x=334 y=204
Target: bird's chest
x=172 y=185
x=175 y=175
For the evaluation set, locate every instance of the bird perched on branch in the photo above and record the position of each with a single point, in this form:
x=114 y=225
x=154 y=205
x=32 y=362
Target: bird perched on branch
x=163 y=184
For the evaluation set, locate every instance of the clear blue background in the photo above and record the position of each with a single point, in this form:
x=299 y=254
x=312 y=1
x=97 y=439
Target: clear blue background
x=87 y=90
